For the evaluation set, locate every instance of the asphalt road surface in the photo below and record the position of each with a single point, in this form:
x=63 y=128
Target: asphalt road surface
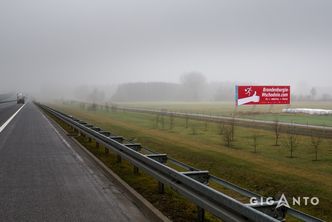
x=44 y=176
x=7 y=110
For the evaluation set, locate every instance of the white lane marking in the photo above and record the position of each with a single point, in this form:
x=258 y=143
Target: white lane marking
x=63 y=140
x=10 y=119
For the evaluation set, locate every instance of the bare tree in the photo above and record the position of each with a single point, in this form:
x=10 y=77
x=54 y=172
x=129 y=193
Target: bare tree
x=221 y=128
x=315 y=142
x=232 y=127
x=227 y=134
x=157 y=121
x=96 y=96
x=276 y=132
x=291 y=141
x=107 y=107
x=171 y=121
x=93 y=107
x=114 y=108
x=187 y=121
x=313 y=93
x=255 y=141
x=82 y=105
x=193 y=83
x=162 y=121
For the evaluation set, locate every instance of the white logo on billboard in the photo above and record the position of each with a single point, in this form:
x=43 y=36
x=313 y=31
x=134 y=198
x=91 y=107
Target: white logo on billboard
x=254 y=98
x=248 y=91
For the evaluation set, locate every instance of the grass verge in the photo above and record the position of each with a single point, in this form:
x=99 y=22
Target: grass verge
x=269 y=171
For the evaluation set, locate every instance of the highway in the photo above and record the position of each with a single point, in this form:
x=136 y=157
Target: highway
x=46 y=177
x=7 y=110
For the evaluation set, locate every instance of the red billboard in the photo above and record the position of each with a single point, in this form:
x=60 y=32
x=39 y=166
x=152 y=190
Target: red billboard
x=262 y=95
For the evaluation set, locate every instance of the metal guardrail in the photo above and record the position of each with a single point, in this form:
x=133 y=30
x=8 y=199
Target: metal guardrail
x=190 y=184
x=291 y=211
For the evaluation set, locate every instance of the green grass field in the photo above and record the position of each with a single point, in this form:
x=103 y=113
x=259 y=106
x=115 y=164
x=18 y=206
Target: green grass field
x=259 y=112
x=269 y=171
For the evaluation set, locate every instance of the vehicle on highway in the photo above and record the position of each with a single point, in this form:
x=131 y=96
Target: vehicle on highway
x=20 y=98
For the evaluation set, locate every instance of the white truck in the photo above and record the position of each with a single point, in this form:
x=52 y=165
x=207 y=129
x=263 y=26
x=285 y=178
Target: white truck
x=20 y=98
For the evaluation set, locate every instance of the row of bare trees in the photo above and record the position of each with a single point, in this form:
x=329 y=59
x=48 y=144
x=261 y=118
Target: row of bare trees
x=227 y=131
x=291 y=141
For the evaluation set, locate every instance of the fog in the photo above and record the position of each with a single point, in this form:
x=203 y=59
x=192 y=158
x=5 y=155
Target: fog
x=56 y=48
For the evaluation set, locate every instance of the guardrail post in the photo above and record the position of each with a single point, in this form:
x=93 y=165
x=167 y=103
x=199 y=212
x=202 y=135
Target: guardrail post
x=134 y=146
x=118 y=158
x=136 y=170
x=76 y=132
x=202 y=177
x=161 y=158
x=105 y=133
x=117 y=138
x=270 y=209
x=200 y=214
x=90 y=140
x=106 y=150
x=137 y=147
x=161 y=187
x=97 y=145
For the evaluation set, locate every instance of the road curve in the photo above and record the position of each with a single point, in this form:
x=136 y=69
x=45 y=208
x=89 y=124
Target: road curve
x=44 y=176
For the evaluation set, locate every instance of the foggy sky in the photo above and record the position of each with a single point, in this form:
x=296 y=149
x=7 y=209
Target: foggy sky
x=75 y=42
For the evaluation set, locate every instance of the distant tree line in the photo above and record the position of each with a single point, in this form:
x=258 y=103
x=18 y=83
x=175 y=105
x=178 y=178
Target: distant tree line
x=192 y=87
x=150 y=91
x=313 y=95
